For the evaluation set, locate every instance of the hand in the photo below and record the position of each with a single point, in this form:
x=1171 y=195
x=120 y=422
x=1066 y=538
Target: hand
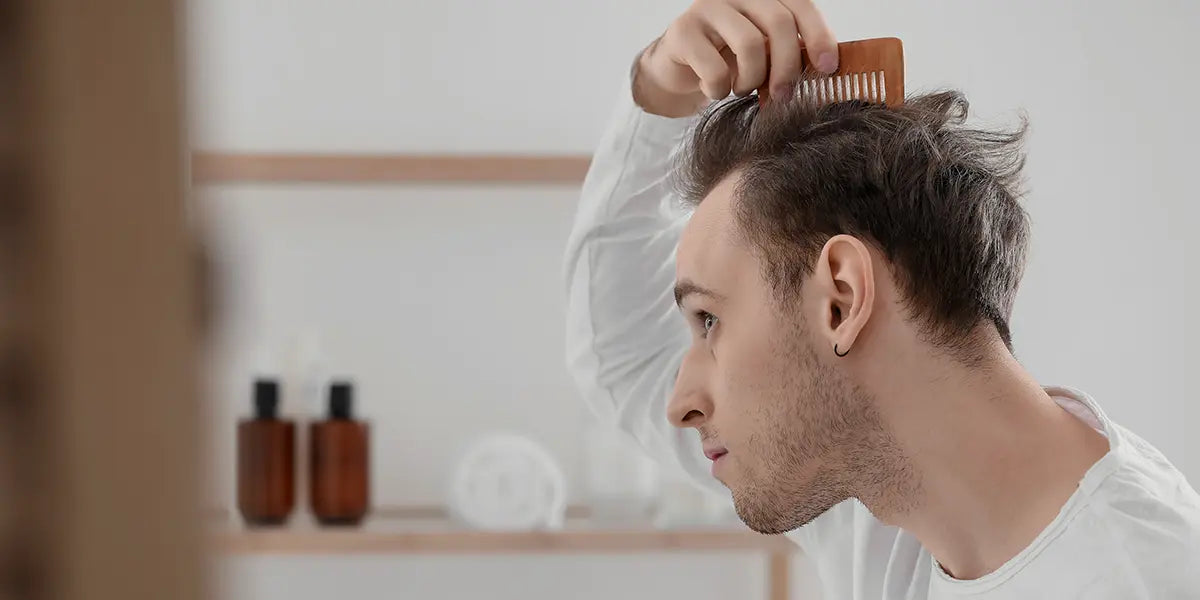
x=718 y=46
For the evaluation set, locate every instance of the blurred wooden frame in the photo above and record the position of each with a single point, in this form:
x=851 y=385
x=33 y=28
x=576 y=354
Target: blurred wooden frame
x=98 y=300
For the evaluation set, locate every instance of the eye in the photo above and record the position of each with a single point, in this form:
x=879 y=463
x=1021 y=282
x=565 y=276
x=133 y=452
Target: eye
x=707 y=322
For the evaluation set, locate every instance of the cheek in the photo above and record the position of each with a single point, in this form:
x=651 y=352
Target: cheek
x=753 y=388
x=753 y=363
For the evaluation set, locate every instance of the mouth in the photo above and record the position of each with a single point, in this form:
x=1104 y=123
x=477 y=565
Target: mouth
x=715 y=454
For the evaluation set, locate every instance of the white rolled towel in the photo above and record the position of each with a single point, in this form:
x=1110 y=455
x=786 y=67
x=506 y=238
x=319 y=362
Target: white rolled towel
x=508 y=482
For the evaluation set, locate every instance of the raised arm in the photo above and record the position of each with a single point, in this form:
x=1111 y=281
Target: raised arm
x=625 y=338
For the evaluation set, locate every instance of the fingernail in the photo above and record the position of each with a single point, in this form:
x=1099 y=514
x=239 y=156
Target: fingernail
x=827 y=62
x=781 y=91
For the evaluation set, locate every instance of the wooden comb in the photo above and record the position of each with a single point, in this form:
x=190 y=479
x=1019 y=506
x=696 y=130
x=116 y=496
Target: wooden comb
x=871 y=70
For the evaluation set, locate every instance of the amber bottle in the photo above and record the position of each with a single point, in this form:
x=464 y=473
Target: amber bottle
x=266 y=449
x=339 y=475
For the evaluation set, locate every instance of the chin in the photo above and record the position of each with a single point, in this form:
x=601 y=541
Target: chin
x=775 y=513
x=761 y=515
x=755 y=521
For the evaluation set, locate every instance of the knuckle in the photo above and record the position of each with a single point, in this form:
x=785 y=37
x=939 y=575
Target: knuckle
x=700 y=7
x=684 y=23
x=683 y=33
x=778 y=19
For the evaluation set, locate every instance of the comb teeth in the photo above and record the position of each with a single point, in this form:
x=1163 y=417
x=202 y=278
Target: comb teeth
x=870 y=86
x=863 y=65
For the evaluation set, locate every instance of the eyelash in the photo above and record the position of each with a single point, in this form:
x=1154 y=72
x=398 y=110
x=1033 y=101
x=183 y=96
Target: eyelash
x=702 y=317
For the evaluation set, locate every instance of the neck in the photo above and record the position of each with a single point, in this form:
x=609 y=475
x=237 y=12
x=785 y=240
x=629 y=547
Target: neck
x=994 y=457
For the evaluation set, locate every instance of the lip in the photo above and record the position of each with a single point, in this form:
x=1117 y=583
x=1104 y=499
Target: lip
x=715 y=454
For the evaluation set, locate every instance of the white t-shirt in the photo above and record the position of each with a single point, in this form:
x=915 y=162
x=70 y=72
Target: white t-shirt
x=1130 y=531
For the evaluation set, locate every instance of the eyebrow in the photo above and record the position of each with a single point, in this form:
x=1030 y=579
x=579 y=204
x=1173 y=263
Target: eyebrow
x=686 y=288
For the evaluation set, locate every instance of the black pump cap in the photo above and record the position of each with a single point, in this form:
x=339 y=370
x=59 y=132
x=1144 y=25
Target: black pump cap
x=266 y=398
x=341 y=397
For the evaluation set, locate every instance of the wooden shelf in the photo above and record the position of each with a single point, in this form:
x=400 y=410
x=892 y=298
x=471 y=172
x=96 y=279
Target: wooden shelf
x=333 y=541
x=378 y=537
x=212 y=168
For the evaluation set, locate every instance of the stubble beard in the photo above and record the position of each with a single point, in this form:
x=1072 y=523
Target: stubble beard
x=824 y=443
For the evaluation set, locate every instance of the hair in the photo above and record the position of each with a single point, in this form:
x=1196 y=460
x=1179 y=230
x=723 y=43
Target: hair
x=938 y=198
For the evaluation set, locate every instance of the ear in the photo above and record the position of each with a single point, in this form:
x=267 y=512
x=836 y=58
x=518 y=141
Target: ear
x=846 y=290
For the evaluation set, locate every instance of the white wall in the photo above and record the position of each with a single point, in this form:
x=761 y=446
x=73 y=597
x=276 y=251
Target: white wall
x=384 y=273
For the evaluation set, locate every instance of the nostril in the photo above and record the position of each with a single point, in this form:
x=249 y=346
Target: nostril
x=692 y=415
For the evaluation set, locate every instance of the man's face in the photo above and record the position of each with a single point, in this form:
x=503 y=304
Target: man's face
x=784 y=426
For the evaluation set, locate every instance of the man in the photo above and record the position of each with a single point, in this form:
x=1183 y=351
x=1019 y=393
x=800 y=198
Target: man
x=845 y=280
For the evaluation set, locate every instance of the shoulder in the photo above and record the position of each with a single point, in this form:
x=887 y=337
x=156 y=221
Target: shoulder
x=1134 y=485
x=1144 y=518
x=1146 y=493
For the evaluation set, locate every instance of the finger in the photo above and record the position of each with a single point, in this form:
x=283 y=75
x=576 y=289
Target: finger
x=818 y=38
x=747 y=43
x=704 y=59
x=731 y=61
x=774 y=19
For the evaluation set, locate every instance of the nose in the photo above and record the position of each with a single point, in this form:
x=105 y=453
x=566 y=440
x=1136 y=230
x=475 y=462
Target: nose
x=691 y=403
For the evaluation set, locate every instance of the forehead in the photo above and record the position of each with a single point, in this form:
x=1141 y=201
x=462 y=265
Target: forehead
x=709 y=248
